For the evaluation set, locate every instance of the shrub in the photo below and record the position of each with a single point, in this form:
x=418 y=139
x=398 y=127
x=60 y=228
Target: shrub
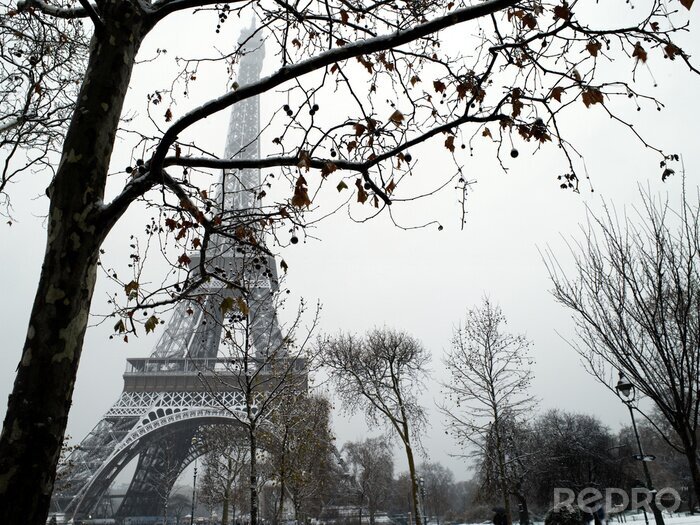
x=564 y=515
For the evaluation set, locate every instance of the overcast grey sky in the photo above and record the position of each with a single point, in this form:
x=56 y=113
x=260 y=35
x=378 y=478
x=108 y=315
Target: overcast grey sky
x=422 y=281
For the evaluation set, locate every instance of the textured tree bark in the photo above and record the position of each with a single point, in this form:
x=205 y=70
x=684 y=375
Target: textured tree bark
x=691 y=456
x=414 y=481
x=695 y=473
x=283 y=473
x=38 y=407
x=253 y=476
x=372 y=511
x=501 y=465
x=227 y=490
x=523 y=512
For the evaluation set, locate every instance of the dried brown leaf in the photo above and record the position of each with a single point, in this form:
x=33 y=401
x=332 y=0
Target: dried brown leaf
x=131 y=287
x=562 y=12
x=304 y=161
x=242 y=306
x=151 y=324
x=639 y=52
x=361 y=193
x=529 y=21
x=557 y=93
x=593 y=47
x=592 y=96
x=397 y=117
x=671 y=50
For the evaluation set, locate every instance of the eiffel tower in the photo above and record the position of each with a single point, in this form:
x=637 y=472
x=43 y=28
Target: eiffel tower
x=167 y=398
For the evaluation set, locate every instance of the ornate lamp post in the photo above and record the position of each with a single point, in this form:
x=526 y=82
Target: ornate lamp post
x=626 y=392
x=421 y=483
x=194 y=483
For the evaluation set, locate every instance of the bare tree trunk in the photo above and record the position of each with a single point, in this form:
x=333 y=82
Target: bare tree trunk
x=690 y=447
x=280 y=508
x=414 y=481
x=501 y=463
x=691 y=456
x=38 y=407
x=524 y=512
x=227 y=491
x=253 y=477
x=224 y=512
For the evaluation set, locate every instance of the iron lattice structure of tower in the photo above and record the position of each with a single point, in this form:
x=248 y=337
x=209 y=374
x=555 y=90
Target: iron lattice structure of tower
x=167 y=398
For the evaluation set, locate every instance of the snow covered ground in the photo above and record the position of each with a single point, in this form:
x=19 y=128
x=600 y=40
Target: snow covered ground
x=675 y=519
x=637 y=518
x=634 y=519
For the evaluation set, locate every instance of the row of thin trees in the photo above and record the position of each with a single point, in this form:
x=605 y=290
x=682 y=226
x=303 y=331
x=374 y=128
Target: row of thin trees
x=635 y=295
x=555 y=449
x=634 y=292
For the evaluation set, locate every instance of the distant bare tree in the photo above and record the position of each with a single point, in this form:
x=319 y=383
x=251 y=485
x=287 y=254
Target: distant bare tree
x=382 y=375
x=371 y=463
x=462 y=505
x=225 y=464
x=634 y=290
x=571 y=450
x=511 y=437
x=489 y=379
x=266 y=367
x=402 y=494
x=300 y=451
x=670 y=469
x=439 y=484
x=162 y=479
x=178 y=505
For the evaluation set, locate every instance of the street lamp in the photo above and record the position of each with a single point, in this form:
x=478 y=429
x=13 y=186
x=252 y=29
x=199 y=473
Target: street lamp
x=194 y=482
x=421 y=483
x=626 y=392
